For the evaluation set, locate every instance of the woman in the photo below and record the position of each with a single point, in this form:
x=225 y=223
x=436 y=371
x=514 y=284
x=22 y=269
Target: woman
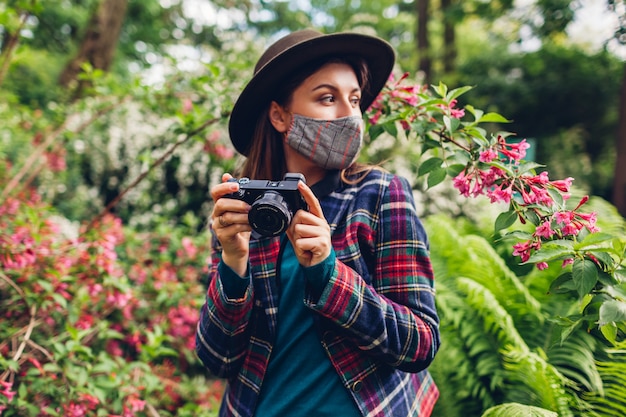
x=336 y=316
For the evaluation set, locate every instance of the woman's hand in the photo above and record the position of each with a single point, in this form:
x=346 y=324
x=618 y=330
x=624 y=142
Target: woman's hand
x=230 y=225
x=309 y=232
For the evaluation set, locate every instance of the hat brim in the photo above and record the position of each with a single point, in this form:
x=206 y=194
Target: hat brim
x=378 y=55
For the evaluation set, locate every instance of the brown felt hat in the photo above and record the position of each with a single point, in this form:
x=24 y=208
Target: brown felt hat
x=294 y=51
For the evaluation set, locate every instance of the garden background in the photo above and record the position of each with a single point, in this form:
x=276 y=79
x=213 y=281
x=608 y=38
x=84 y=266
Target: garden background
x=113 y=118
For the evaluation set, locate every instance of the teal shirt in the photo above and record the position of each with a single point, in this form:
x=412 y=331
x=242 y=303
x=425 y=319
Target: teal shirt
x=300 y=379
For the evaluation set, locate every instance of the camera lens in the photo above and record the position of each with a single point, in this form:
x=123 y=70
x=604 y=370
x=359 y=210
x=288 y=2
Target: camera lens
x=270 y=214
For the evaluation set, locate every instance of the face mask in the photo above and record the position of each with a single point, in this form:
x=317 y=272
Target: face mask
x=331 y=144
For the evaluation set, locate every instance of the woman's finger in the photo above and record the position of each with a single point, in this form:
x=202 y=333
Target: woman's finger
x=312 y=201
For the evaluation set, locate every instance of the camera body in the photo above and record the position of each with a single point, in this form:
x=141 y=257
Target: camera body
x=273 y=202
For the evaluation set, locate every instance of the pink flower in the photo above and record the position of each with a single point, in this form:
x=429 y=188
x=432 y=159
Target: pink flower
x=189 y=247
x=498 y=194
x=563 y=185
x=563 y=217
x=569 y=229
x=187 y=105
x=568 y=261
x=542 y=265
x=544 y=230
x=488 y=155
x=522 y=250
x=462 y=183
x=514 y=151
x=455 y=113
x=6 y=390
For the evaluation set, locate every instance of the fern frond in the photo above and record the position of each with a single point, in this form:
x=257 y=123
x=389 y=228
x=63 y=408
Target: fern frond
x=518 y=410
x=612 y=370
x=546 y=384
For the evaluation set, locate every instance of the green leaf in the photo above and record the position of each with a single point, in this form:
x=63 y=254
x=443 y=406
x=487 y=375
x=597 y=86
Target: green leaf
x=562 y=284
x=436 y=176
x=429 y=165
x=451 y=123
x=458 y=92
x=585 y=276
x=455 y=169
x=494 y=118
x=613 y=311
x=375 y=131
x=505 y=220
x=594 y=240
x=609 y=331
x=441 y=89
x=547 y=254
x=516 y=409
x=391 y=128
x=517 y=235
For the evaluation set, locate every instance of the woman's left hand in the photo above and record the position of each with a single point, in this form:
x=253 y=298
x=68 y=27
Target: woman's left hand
x=309 y=231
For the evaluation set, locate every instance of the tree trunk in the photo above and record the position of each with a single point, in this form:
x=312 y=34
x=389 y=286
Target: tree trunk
x=449 y=38
x=100 y=41
x=423 y=44
x=619 y=181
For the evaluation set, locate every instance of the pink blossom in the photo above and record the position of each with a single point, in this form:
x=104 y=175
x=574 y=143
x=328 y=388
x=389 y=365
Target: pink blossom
x=85 y=322
x=544 y=230
x=488 y=155
x=500 y=194
x=455 y=113
x=570 y=229
x=542 y=265
x=562 y=185
x=563 y=217
x=133 y=405
x=514 y=151
x=462 y=183
x=568 y=261
x=187 y=105
x=6 y=390
x=189 y=247
x=56 y=160
x=522 y=250
x=223 y=152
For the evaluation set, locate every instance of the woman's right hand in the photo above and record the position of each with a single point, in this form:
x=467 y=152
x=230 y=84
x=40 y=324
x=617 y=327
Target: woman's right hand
x=231 y=226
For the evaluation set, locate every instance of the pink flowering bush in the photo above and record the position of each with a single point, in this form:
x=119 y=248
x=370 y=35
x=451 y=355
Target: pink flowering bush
x=98 y=321
x=455 y=143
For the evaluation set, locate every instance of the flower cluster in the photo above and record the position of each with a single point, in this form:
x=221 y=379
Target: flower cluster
x=451 y=142
x=500 y=175
x=96 y=309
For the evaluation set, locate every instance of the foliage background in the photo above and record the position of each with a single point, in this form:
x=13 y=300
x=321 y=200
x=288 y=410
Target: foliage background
x=97 y=311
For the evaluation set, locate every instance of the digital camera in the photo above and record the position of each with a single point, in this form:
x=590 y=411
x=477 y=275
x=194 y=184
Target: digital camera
x=273 y=202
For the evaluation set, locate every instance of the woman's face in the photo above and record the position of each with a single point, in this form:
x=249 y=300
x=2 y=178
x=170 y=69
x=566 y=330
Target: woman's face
x=330 y=93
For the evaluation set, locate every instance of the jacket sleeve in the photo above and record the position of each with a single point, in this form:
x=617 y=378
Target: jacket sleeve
x=392 y=315
x=222 y=334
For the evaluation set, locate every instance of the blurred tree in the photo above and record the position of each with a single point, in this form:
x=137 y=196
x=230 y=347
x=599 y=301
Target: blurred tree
x=619 y=181
x=100 y=40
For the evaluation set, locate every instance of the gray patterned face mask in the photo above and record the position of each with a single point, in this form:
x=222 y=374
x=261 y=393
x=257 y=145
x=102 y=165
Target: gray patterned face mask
x=331 y=144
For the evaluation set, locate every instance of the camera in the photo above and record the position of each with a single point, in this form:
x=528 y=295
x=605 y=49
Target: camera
x=273 y=202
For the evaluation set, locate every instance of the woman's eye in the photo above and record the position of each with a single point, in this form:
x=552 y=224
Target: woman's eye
x=327 y=99
x=355 y=100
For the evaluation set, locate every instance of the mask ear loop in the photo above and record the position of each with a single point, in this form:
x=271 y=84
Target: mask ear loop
x=293 y=121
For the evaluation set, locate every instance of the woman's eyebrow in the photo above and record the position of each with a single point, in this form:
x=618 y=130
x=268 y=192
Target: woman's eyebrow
x=333 y=87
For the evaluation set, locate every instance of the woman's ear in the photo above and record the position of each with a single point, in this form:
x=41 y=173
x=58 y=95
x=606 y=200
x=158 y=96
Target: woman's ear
x=279 y=117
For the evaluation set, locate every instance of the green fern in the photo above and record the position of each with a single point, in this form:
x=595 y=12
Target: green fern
x=518 y=410
x=612 y=370
x=495 y=329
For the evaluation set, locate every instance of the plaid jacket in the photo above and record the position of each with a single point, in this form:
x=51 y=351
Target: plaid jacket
x=376 y=317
